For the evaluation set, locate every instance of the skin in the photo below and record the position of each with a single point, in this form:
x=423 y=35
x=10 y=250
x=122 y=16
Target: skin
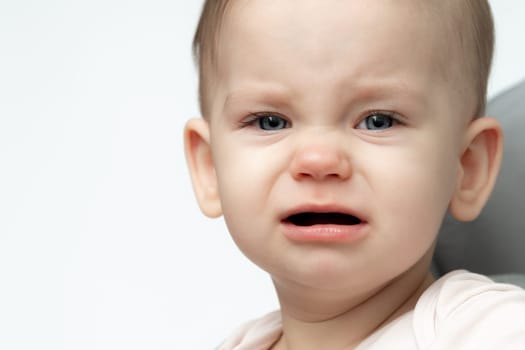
x=322 y=70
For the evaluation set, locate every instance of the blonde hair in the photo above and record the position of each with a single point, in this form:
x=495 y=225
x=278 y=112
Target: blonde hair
x=205 y=46
x=469 y=24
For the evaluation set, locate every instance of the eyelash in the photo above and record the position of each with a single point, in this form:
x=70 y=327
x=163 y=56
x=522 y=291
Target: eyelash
x=253 y=118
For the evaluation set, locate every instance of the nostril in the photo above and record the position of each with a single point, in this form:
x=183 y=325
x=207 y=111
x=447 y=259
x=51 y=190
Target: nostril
x=323 y=175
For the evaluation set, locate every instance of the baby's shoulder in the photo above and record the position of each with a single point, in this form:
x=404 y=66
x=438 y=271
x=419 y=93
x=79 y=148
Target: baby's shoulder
x=470 y=310
x=460 y=290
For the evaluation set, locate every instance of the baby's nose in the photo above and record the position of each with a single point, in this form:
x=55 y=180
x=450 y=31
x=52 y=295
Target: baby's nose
x=320 y=160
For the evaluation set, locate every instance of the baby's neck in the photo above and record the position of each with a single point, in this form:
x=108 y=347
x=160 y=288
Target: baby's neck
x=316 y=321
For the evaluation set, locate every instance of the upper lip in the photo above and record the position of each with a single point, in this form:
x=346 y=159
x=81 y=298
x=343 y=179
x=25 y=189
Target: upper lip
x=321 y=208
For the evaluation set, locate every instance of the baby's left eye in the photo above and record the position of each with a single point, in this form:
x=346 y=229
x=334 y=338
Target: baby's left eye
x=377 y=121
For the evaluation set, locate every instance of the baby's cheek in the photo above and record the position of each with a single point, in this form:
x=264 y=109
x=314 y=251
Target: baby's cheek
x=418 y=193
x=430 y=199
x=242 y=201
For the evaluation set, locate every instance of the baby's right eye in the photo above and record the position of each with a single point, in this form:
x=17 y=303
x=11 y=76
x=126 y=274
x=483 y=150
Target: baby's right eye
x=267 y=122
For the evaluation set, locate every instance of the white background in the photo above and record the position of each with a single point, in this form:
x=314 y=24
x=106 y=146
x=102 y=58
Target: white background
x=101 y=243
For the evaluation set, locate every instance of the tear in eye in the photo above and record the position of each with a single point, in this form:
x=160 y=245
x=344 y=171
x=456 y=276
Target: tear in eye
x=310 y=219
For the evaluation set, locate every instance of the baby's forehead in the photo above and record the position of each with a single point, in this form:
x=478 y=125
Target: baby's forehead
x=337 y=42
x=330 y=26
x=241 y=15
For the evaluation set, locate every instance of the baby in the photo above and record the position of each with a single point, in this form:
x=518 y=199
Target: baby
x=335 y=135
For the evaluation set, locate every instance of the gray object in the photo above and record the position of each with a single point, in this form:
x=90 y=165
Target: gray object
x=494 y=243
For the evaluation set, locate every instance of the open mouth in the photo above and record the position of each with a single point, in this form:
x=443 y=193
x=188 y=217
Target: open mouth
x=312 y=218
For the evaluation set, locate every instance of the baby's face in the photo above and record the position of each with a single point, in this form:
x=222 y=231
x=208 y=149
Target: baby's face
x=335 y=138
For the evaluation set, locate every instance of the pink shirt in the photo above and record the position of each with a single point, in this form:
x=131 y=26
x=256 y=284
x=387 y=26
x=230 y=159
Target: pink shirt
x=461 y=310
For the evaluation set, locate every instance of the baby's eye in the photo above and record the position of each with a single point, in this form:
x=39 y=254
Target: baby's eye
x=268 y=122
x=377 y=121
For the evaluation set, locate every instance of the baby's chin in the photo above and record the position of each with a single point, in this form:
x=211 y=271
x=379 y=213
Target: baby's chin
x=325 y=271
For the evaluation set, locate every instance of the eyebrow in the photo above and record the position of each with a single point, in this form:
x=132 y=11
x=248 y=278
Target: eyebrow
x=375 y=91
x=408 y=96
x=275 y=96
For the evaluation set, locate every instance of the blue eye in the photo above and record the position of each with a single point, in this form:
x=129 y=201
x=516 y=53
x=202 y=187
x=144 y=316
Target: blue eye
x=271 y=122
x=377 y=121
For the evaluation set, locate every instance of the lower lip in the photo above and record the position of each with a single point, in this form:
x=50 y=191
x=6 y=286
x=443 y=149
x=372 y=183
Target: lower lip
x=323 y=233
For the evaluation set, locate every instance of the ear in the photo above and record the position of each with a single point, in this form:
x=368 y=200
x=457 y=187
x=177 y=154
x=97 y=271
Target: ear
x=479 y=166
x=200 y=163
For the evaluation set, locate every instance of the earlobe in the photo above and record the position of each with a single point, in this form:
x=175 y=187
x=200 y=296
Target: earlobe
x=200 y=163
x=479 y=166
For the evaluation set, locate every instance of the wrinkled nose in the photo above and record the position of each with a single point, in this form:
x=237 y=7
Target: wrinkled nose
x=320 y=161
